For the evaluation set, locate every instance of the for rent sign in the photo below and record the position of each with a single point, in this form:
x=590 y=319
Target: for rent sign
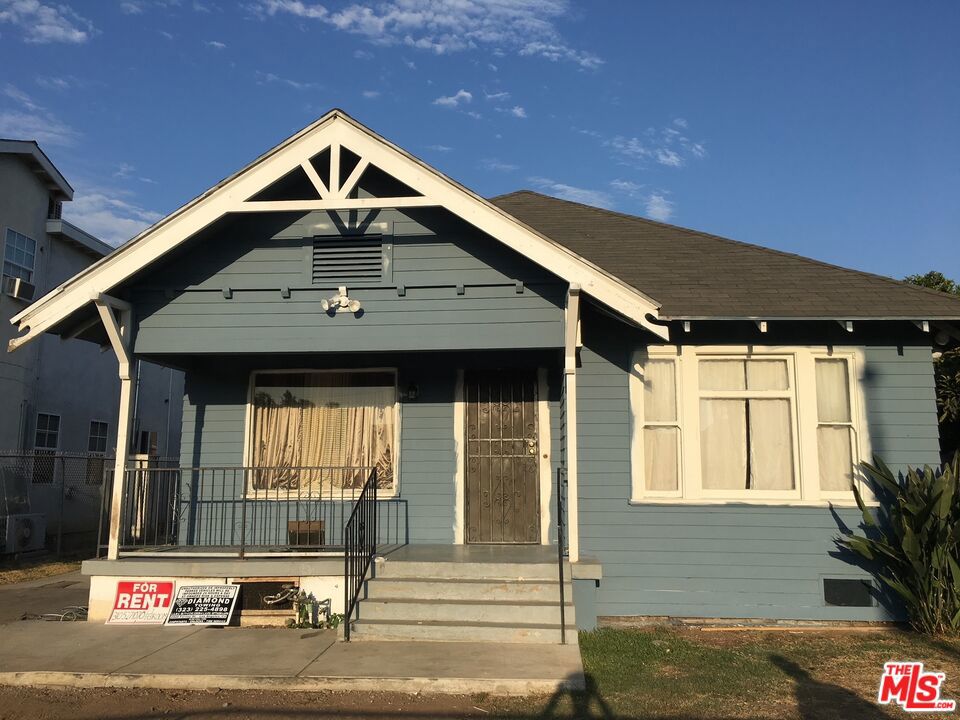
x=142 y=602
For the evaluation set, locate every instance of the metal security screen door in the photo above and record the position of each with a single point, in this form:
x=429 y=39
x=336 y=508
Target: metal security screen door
x=502 y=480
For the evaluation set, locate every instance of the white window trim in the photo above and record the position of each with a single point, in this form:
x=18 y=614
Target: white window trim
x=90 y=435
x=382 y=494
x=36 y=421
x=803 y=393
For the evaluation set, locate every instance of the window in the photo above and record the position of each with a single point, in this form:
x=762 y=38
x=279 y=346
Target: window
x=19 y=256
x=48 y=432
x=147 y=443
x=835 y=432
x=660 y=430
x=313 y=431
x=45 y=443
x=746 y=424
x=97 y=441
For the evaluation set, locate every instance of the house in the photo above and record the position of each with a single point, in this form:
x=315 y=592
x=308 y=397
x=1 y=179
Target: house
x=58 y=400
x=424 y=406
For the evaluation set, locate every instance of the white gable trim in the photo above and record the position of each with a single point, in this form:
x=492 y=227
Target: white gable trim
x=333 y=130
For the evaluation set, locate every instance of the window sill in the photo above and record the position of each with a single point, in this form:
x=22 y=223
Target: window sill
x=759 y=502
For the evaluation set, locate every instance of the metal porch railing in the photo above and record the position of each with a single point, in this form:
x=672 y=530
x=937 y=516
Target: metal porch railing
x=360 y=540
x=239 y=511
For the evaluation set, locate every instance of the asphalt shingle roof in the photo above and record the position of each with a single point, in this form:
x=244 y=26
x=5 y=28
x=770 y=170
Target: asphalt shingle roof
x=694 y=274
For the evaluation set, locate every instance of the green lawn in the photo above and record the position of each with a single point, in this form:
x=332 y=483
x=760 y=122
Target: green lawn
x=688 y=673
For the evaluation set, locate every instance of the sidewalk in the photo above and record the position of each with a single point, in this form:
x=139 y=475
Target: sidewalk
x=85 y=654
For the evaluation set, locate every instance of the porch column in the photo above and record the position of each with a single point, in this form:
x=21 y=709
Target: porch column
x=119 y=333
x=571 y=340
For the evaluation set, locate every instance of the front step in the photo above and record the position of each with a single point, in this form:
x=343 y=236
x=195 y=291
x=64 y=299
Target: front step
x=464 y=602
x=456 y=631
x=469 y=570
x=467 y=611
x=467 y=589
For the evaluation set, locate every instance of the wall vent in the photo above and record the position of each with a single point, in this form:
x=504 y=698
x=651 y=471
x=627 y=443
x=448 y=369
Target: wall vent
x=339 y=260
x=848 y=592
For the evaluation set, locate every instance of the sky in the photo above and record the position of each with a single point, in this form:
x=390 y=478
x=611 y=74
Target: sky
x=824 y=128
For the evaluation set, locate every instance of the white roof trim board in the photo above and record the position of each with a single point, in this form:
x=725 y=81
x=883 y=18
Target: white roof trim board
x=333 y=130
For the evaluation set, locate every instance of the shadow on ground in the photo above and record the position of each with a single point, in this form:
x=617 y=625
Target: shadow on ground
x=815 y=700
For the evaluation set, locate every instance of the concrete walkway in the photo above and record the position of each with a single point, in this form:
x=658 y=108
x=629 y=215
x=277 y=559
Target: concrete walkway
x=43 y=595
x=85 y=654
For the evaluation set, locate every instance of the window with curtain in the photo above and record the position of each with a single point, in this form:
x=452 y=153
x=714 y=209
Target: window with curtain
x=661 y=427
x=746 y=425
x=315 y=430
x=835 y=432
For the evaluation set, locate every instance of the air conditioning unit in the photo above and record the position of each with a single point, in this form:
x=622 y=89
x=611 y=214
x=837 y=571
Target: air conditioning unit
x=22 y=533
x=20 y=289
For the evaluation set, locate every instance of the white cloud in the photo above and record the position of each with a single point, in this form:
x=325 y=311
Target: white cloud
x=215 y=44
x=439 y=148
x=452 y=101
x=132 y=7
x=498 y=165
x=665 y=146
x=168 y=36
x=497 y=96
x=371 y=94
x=265 y=78
x=42 y=23
x=518 y=111
x=658 y=207
x=105 y=213
x=411 y=65
x=363 y=55
x=30 y=121
x=627 y=187
x=526 y=27
x=597 y=198
x=51 y=82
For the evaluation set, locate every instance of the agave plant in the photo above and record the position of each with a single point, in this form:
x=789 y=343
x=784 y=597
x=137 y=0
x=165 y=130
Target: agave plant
x=914 y=541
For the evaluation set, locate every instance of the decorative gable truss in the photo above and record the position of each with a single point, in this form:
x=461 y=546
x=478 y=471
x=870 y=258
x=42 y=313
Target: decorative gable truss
x=334 y=164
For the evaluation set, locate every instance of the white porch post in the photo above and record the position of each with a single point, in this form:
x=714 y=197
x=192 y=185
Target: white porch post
x=571 y=340
x=119 y=334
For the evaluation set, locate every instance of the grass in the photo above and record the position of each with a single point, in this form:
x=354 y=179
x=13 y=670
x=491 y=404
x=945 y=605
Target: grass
x=685 y=673
x=34 y=569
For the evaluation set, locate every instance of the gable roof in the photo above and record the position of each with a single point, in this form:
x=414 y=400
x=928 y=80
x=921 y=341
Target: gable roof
x=695 y=275
x=31 y=153
x=334 y=130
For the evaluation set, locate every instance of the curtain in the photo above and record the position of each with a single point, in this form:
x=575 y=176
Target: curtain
x=746 y=443
x=659 y=391
x=834 y=434
x=723 y=444
x=660 y=457
x=331 y=424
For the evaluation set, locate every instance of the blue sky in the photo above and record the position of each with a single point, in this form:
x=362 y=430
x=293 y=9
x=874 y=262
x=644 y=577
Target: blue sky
x=828 y=129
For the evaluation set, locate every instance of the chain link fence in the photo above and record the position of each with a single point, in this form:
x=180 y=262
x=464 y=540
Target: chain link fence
x=68 y=490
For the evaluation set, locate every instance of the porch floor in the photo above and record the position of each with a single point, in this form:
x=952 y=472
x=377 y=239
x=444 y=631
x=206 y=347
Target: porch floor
x=471 y=553
x=92 y=655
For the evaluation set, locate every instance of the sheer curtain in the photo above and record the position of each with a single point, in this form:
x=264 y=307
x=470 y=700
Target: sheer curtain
x=746 y=441
x=835 y=427
x=341 y=421
x=661 y=433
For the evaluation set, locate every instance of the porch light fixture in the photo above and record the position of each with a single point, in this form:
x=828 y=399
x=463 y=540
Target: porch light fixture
x=340 y=302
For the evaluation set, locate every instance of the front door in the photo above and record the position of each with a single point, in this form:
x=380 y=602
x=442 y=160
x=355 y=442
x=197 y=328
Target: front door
x=502 y=478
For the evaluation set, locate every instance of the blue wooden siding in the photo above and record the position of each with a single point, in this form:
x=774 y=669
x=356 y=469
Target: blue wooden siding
x=734 y=561
x=461 y=290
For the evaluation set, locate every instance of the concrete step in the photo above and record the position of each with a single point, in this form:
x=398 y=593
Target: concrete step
x=467 y=570
x=468 y=589
x=458 y=632
x=465 y=611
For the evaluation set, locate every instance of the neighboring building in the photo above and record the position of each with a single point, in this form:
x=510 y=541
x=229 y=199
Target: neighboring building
x=60 y=396
x=360 y=332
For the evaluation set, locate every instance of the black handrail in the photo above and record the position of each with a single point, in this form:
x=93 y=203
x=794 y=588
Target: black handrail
x=360 y=546
x=561 y=547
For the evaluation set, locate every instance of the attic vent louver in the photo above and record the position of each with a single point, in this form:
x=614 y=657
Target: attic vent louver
x=347 y=260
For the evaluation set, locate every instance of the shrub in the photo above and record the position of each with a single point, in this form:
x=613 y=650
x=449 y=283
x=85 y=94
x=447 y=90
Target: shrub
x=914 y=541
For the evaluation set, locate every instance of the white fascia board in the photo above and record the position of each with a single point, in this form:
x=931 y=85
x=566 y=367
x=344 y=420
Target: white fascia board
x=332 y=130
